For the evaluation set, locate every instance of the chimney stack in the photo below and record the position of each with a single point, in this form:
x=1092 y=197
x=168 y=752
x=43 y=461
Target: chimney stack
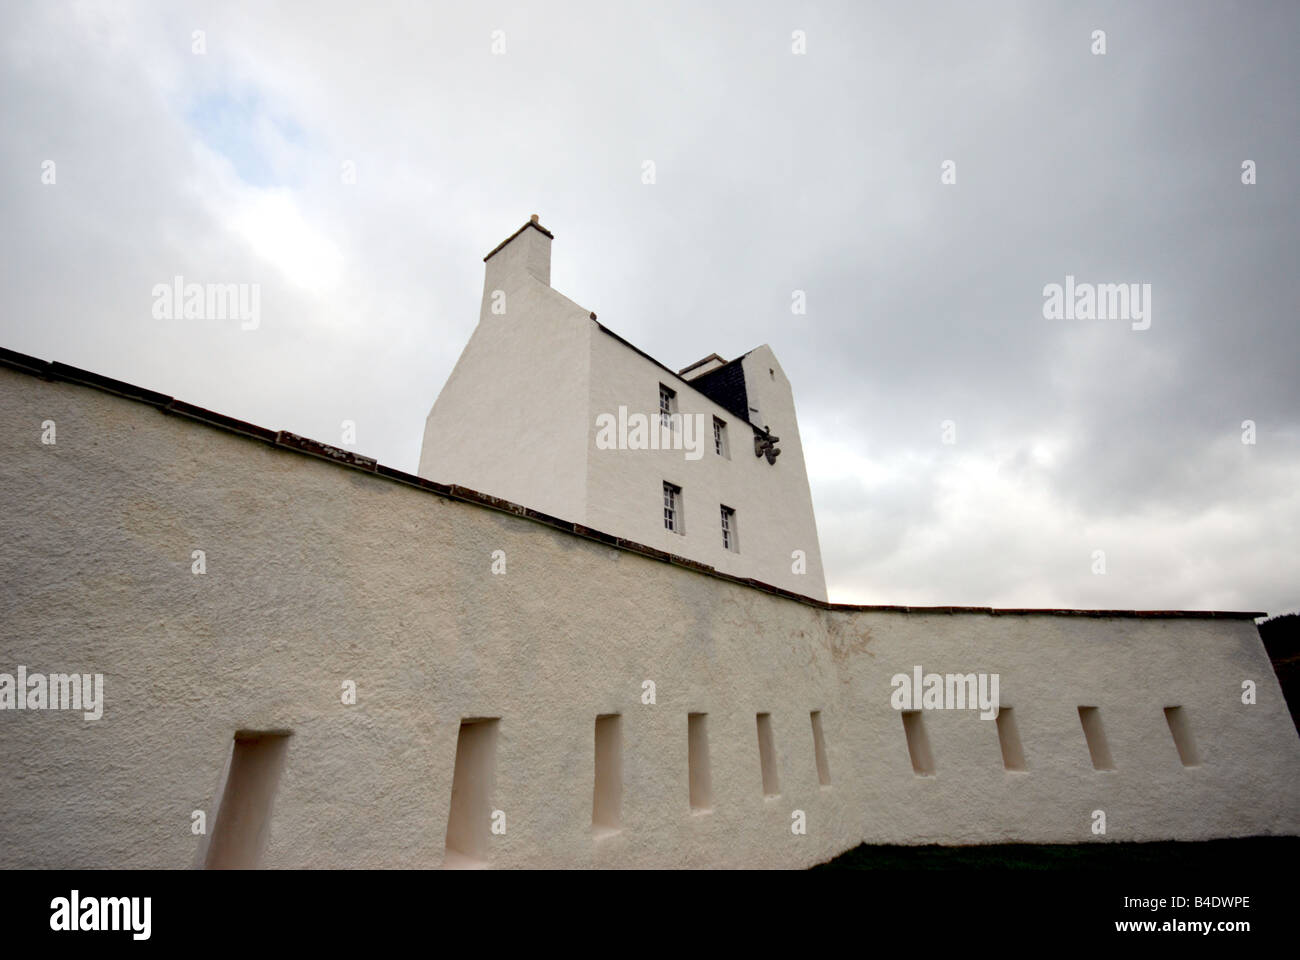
x=526 y=251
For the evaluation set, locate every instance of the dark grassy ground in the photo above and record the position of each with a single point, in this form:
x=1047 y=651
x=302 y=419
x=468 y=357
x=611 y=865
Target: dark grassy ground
x=1228 y=856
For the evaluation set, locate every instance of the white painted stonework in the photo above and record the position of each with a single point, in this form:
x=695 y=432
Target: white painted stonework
x=518 y=418
x=438 y=607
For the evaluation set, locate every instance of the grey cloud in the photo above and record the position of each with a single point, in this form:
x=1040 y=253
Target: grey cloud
x=775 y=173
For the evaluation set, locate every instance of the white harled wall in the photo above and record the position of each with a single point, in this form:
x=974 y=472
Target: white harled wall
x=319 y=574
x=509 y=422
x=518 y=419
x=772 y=501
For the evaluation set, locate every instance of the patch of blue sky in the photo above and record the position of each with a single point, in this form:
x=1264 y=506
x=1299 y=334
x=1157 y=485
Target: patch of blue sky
x=242 y=130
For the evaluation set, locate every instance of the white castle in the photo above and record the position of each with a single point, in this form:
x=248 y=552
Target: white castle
x=522 y=413
x=592 y=632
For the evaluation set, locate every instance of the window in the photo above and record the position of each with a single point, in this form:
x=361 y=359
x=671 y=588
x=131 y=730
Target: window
x=697 y=748
x=672 y=508
x=729 y=530
x=819 y=749
x=667 y=406
x=607 y=795
x=720 y=438
x=469 y=815
x=1013 y=754
x=1183 y=740
x=244 y=816
x=918 y=744
x=1095 y=734
x=767 y=756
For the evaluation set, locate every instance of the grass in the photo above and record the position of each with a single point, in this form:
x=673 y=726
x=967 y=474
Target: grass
x=1228 y=856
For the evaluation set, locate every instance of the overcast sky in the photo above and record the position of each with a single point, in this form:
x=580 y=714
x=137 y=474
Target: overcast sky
x=774 y=171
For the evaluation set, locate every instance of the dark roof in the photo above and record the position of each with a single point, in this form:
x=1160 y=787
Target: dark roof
x=725 y=386
x=742 y=413
x=284 y=440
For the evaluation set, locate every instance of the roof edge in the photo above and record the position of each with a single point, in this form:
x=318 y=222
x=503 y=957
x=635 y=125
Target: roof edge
x=531 y=223
x=669 y=370
x=699 y=363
